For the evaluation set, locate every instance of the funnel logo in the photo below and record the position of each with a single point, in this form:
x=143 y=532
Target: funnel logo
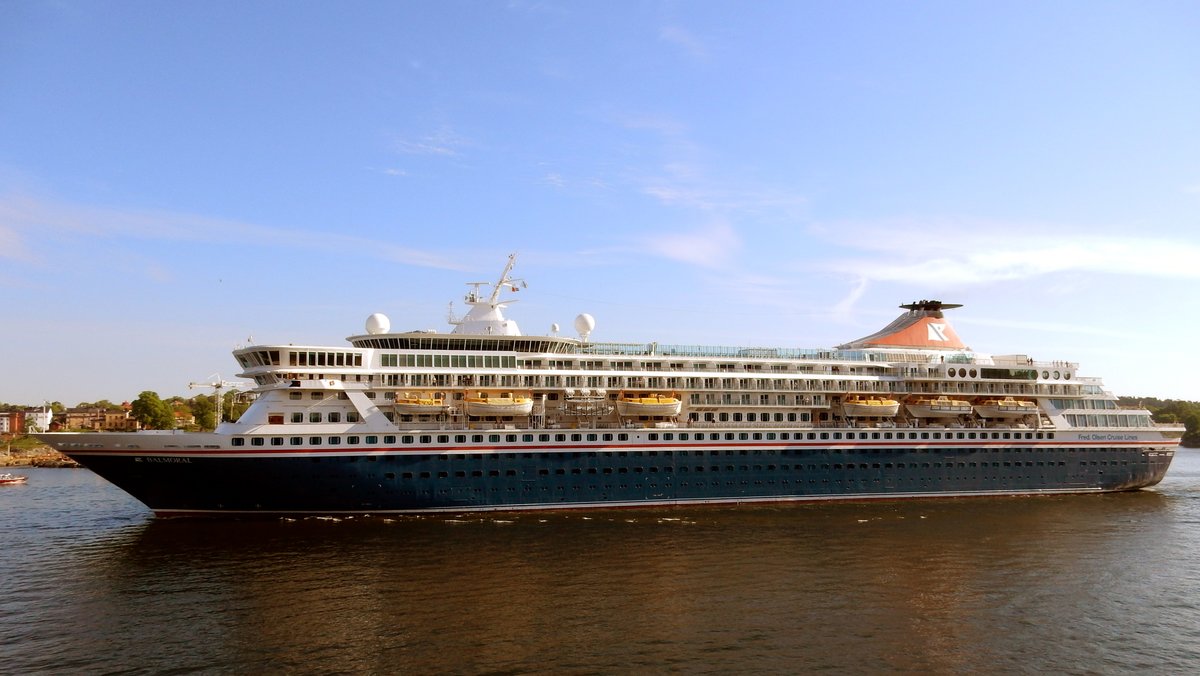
x=937 y=332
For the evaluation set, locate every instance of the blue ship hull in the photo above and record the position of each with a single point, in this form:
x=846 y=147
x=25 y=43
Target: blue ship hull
x=385 y=480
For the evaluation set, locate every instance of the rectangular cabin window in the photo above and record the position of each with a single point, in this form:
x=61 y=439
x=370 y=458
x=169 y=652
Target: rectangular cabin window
x=297 y=417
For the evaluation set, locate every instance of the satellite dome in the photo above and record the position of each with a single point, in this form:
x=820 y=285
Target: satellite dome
x=378 y=323
x=584 y=324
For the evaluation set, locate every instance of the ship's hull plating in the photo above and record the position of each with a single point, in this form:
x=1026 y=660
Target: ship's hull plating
x=384 y=480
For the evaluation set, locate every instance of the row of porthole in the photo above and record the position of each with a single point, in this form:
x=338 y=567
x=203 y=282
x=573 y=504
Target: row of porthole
x=699 y=469
x=972 y=373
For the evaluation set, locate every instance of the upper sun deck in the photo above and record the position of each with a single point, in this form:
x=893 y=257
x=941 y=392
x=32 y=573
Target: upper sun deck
x=918 y=343
x=525 y=352
x=457 y=342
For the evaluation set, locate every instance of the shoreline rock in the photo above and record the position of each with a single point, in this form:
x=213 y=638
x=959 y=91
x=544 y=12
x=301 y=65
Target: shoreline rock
x=38 y=457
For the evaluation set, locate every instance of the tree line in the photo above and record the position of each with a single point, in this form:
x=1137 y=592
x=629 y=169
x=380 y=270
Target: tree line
x=155 y=413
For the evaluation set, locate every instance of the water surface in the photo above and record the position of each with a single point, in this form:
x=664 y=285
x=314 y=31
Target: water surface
x=92 y=583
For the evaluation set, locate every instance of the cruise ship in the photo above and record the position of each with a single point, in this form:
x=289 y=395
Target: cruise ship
x=484 y=417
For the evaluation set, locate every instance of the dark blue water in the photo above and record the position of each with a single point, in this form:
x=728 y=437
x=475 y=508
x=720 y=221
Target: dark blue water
x=91 y=583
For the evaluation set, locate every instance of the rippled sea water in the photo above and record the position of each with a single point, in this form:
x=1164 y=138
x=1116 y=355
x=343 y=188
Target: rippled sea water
x=91 y=583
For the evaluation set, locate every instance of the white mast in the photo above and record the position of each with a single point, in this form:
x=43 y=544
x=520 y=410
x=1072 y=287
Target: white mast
x=486 y=315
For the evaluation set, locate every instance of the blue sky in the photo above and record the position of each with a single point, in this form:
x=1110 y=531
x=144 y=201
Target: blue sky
x=178 y=177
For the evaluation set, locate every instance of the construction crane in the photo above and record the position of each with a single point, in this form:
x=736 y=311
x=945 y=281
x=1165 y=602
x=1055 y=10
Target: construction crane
x=216 y=384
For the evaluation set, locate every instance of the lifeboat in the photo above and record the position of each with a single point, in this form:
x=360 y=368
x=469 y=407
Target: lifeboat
x=1005 y=408
x=648 y=404
x=937 y=407
x=855 y=406
x=420 y=403
x=12 y=479
x=498 y=404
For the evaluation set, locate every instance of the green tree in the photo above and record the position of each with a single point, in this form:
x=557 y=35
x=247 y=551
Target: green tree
x=234 y=406
x=152 y=412
x=205 y=409
x=103 y=404
x=1172 y=411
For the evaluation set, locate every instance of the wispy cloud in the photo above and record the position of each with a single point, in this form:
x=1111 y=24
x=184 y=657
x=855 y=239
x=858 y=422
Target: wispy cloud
x=663 y=125
x=685 y=178
x=1127 y=330
x=24 y=218
x=444 y=142
x=681 y=37
x=981 y=252
x=12 y=246
x=729 y=200
x=710 y=246
x=845 y=307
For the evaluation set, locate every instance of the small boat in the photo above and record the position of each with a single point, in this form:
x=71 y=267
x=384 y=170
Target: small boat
x=1005 y=408
x=12 y=479
x=418 y=403
x=648 y=403
x=498 y=404
x=859 y=406
x=937 y=407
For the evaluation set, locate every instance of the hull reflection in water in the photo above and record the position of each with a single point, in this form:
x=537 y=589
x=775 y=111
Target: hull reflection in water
x=943 y=587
